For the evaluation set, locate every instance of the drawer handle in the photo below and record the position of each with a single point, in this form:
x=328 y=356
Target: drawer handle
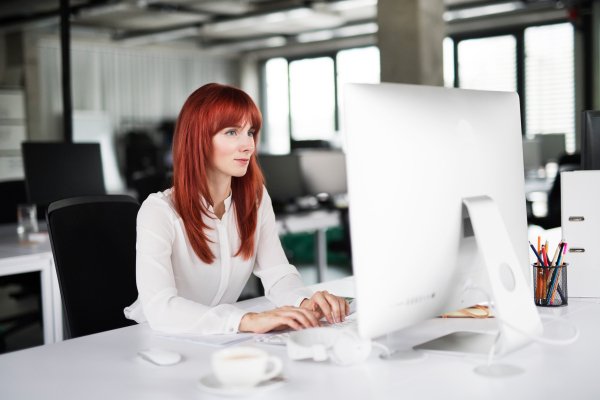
x=576 y=219
x=576 y=250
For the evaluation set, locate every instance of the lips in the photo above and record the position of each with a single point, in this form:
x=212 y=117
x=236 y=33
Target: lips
x=242 y=160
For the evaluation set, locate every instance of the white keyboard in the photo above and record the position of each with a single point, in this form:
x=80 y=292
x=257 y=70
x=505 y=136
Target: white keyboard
x=281 y=339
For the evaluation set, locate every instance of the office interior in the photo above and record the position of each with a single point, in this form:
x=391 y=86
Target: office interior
x=133 y=64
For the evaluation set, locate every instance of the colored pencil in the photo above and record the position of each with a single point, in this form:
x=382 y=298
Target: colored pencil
x=562 y=260
x=539 y=275
x=536 y=254
x=556 y=253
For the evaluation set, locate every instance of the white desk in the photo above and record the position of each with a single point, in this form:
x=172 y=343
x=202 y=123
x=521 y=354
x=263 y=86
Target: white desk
x=18 y=259
x=318 y=221
x=105 y=366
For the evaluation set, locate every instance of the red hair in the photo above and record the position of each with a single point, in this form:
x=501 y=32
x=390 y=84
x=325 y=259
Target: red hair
x=207 y=111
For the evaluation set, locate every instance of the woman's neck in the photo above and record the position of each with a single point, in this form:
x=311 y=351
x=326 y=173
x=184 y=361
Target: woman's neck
x=220 y=189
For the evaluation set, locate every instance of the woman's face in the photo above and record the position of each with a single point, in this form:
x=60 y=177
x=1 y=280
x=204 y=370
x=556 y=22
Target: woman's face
x=232 y=149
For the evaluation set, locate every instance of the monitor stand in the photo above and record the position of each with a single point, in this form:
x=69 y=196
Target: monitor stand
x=508 y=289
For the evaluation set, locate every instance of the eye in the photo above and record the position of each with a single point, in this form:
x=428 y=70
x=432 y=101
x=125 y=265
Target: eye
x=250 y=133
x=230 y=133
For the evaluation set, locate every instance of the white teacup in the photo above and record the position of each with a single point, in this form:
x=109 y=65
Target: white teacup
x=244 y=367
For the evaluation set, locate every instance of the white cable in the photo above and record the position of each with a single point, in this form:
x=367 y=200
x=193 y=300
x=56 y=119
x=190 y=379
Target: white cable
x=539 y=339
x=382 y=347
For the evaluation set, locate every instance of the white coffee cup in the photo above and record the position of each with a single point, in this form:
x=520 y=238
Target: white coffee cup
x=244 y=367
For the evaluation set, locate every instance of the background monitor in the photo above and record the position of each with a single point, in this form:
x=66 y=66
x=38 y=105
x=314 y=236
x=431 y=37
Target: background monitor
x=55 y=171
x=552 y=146
x=283 y=176
x=413 y=247
x=532 y=154
x=323 y=171
x=590 y=140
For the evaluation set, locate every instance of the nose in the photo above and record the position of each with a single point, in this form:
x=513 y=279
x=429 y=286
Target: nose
x=248 y=144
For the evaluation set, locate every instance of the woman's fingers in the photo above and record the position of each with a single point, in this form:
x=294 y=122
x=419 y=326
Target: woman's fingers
x=291 y=322
x=322 y=302
x=334 y=302
x=310 y=316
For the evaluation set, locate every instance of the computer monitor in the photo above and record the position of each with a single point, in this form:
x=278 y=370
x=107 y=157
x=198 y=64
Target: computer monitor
x=532 y=154
x=323 y=171
x=590 y=140
x=282 y=175
x=55 y=171
x=437 y=208
x=552 y=146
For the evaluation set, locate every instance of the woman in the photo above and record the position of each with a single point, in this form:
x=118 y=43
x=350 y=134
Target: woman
x=198 y=242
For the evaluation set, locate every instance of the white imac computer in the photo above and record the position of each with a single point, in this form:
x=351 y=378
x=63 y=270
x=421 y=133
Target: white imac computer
x=437 y=209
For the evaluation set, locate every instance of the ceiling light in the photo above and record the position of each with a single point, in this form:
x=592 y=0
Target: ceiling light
x=160 y=37
x=275 y=41
x=344 y=5
x=482 y=11
x=346 y=31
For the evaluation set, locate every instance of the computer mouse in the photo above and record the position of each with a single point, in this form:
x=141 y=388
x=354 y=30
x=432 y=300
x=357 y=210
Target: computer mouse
x=160 y=356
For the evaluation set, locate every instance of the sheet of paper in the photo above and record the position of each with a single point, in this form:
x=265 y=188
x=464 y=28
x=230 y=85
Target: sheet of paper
x=211 y=340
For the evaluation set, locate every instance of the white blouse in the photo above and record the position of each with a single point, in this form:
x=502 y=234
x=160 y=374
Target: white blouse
x=178 y=293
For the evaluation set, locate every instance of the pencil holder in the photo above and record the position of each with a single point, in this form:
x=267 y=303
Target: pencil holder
x=550 y=285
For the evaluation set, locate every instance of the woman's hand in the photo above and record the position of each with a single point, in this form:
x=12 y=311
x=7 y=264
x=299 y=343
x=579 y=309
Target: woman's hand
x=325 y=303
x=279 y=319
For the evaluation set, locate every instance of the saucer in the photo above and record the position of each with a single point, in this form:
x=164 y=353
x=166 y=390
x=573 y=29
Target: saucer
x=211 y=384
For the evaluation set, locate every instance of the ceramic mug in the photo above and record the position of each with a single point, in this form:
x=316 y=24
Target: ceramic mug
x=244 y=367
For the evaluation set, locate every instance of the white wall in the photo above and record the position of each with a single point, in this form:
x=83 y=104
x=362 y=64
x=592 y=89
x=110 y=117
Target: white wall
x=129 y=84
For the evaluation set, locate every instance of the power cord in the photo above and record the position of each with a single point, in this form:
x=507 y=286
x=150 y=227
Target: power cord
x=538 y=339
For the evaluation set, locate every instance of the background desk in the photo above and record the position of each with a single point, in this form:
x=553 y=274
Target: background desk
x=105 y=366
x=318 y=221
x=18 y=259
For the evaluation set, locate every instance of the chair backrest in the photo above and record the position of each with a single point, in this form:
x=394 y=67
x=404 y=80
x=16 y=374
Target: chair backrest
x=93 y=241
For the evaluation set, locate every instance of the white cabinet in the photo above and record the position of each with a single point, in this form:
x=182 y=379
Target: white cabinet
x=12 y=104
x=13 y=132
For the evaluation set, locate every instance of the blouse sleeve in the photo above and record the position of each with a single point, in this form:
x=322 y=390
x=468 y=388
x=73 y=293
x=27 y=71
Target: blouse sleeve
x=163 y=308
x=281 y=280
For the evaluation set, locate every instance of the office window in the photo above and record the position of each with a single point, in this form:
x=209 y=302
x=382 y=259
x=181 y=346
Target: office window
x=355 y=66
x=278 y=107
x=448 y=62
x=312 y=98
x=550 y=81
x=488 y=63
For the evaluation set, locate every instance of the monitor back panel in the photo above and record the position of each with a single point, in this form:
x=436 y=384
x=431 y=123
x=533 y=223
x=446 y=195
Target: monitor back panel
x=323 y=171
x=590 y=140
x=413 y=153
x=55 y=171
x=283 y=176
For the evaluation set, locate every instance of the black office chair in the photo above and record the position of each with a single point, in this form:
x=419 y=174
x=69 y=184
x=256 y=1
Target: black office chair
x=93 y=242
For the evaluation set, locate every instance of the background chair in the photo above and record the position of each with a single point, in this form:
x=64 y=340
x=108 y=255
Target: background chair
x=93 y=242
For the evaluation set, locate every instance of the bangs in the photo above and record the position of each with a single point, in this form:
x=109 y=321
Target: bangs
x=235 y=108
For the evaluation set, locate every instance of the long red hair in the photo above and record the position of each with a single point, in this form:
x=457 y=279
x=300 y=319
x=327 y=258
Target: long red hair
x=207 y=111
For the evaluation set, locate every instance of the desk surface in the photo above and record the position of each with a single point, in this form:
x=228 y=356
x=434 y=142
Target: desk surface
x=105 y=366
x=10 y=247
